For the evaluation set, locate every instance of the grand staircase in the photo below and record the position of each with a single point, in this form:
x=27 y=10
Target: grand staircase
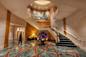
x=64 y=41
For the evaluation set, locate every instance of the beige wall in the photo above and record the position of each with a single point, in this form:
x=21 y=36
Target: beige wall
x=76 y=26
x=77 y=22
x=16 y=22
x=3 y=13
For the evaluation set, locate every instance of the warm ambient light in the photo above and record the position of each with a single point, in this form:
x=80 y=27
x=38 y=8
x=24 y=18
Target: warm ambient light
x=42 y=2
x=33 y=35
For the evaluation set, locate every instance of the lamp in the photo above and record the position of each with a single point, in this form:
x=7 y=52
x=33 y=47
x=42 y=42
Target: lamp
x=33 y=35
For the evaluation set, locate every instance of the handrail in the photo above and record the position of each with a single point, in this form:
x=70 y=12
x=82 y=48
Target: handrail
x=81 y=42
x=75 y=37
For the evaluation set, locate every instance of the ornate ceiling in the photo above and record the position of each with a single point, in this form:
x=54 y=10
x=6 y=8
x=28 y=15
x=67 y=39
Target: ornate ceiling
x=42 y=5
x=19 y=7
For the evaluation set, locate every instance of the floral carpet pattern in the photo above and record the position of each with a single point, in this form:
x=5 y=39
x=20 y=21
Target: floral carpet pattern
x=32 y=50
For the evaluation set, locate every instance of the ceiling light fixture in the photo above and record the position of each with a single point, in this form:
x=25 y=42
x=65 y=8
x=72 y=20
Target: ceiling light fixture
x=42 y=2
x=41 y=9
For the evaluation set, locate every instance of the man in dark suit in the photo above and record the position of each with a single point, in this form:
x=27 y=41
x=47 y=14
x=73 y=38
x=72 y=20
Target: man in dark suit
x=20 y=38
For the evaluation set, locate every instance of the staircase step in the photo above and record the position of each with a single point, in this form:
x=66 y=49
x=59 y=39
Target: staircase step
x=68 y=45
x=64 y=41
x=64 y=44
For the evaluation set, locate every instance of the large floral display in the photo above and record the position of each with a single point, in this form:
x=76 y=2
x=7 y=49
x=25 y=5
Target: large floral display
x=43 y=36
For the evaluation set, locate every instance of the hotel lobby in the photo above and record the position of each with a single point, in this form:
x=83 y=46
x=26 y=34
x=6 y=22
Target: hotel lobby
x=42 y=28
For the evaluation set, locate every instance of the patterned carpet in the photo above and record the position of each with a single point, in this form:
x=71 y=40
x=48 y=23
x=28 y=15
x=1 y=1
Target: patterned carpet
x=48 y=50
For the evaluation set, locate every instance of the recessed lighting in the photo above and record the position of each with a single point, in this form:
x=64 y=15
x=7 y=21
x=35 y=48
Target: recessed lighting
x=42 y=2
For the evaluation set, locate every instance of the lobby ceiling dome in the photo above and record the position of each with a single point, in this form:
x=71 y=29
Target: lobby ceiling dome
x=42 y=5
